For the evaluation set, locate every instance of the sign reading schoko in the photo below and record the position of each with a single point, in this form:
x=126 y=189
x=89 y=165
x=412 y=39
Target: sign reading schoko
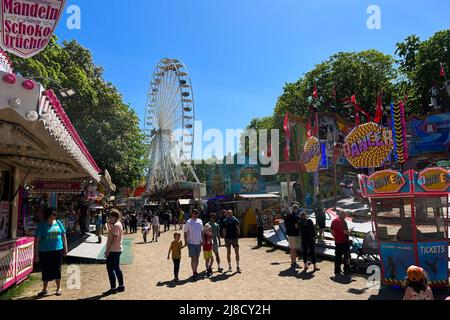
x=27 y=25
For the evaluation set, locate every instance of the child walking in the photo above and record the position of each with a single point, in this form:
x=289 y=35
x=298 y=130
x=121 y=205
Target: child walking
x=207 y=250
x=175 y=248
x=417 y=287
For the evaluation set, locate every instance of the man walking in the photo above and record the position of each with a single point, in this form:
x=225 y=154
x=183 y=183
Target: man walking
x=232 y=232
x=193 y=237
x=291 y=222
x=340 y=232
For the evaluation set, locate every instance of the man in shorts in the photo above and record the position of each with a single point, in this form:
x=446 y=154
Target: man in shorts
x=232 y=232
x=193 y=237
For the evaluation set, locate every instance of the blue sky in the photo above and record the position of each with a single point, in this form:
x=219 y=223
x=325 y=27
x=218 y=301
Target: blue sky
x=239 y=53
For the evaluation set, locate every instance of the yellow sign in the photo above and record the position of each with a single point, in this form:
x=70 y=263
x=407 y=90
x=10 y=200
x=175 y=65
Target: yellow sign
x=312 y=155
x=387 y=181
x=434 y=179
x=368 y=145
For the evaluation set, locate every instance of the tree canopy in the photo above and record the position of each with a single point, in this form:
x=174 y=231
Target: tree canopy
x=107 y=125
x=366 y=74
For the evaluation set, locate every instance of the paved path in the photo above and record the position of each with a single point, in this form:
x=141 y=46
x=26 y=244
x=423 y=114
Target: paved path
x=266 y=275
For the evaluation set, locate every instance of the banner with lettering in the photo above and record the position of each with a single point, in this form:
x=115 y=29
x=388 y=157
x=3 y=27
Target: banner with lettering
x=433 y=258
x=433 y=180
x=312 y=155
x=368 y=146
x=27 y=25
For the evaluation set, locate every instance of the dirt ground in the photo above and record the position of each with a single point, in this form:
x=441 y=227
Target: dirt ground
x=266 y=275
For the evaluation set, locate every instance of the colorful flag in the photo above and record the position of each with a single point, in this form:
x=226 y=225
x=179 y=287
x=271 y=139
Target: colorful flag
x=316 y=133
x=287 y=131
x=269 y=151
x=442 y=71
x=308 y=129
x=316 y=92
x=379 y=112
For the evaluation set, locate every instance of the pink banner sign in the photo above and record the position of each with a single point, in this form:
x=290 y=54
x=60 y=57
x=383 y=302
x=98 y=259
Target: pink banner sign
x=27 y=25
x=57 y=186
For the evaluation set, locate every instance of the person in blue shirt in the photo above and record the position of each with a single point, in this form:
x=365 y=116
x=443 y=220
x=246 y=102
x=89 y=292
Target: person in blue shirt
x=50 y=248
x=98 y=225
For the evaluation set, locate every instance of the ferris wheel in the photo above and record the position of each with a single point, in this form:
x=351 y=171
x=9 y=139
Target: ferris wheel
x=169 y=125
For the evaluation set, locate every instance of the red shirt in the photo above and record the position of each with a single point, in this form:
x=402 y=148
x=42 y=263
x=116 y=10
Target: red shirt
x=338 y=227
x=208 y=243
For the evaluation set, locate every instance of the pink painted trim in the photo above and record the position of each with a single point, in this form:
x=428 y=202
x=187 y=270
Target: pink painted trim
x=22 y=241
x=69 y=126
x=8 y=284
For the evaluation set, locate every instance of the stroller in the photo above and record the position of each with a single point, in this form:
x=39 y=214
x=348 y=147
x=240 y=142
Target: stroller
x=366 y=252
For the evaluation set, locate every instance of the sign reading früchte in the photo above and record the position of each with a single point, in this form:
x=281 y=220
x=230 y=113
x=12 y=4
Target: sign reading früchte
x=27 y=25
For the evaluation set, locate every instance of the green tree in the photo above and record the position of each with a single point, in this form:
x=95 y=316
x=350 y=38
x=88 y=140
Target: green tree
x=419 y=64
x=363 y=74
x=108 y=126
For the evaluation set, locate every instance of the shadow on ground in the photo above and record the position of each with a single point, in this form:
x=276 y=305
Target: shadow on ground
x=294 y=273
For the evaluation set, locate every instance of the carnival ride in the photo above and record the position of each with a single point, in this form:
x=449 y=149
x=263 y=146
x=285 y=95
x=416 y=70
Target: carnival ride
x=169 y=129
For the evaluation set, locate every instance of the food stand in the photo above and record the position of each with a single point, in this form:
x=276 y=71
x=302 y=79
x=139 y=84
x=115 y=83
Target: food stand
x=410 y=214
x=39 y=143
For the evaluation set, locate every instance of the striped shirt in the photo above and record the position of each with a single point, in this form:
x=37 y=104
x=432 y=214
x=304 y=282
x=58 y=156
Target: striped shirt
x=194 y=230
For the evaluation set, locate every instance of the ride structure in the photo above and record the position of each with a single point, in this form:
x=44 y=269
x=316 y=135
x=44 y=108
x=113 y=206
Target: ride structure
x=169 y=129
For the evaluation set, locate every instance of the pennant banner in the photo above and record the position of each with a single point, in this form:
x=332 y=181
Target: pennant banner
x=405 y=142
x=27 y=25
x=400 y=132
x=394 y=131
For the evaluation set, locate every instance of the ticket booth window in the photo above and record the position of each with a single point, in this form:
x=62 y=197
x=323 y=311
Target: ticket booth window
x=394 y=220
x=430 y=218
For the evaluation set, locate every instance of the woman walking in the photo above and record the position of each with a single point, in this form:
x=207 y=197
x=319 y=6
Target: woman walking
x=50 y=248
x=113 y=251
x=156 y=228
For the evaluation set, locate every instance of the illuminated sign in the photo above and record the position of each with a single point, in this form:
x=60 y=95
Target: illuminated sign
x=312 y=155
x=386 y=181
x=368 y=145
x=434 y=179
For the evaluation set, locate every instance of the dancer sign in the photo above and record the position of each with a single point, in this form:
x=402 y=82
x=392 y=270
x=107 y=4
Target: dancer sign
x=434 y=179
x=312 y=155
x=368 y=145
x=27 y=25
x=387 y=181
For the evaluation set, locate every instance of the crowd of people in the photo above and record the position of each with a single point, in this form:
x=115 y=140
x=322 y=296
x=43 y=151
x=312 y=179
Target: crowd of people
x=204 y=236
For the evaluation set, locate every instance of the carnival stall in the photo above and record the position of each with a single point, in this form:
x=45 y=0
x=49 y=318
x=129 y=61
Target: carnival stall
x=410 y=214
x=38 y=145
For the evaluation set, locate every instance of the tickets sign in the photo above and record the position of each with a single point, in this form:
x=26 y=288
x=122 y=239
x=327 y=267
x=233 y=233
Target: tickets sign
x=387 y=181
x=312 y=155
x=368 y=146
x=27 y=25
x=434 y=179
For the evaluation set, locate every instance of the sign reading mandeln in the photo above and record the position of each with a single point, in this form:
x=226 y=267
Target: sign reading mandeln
x=27 y=25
